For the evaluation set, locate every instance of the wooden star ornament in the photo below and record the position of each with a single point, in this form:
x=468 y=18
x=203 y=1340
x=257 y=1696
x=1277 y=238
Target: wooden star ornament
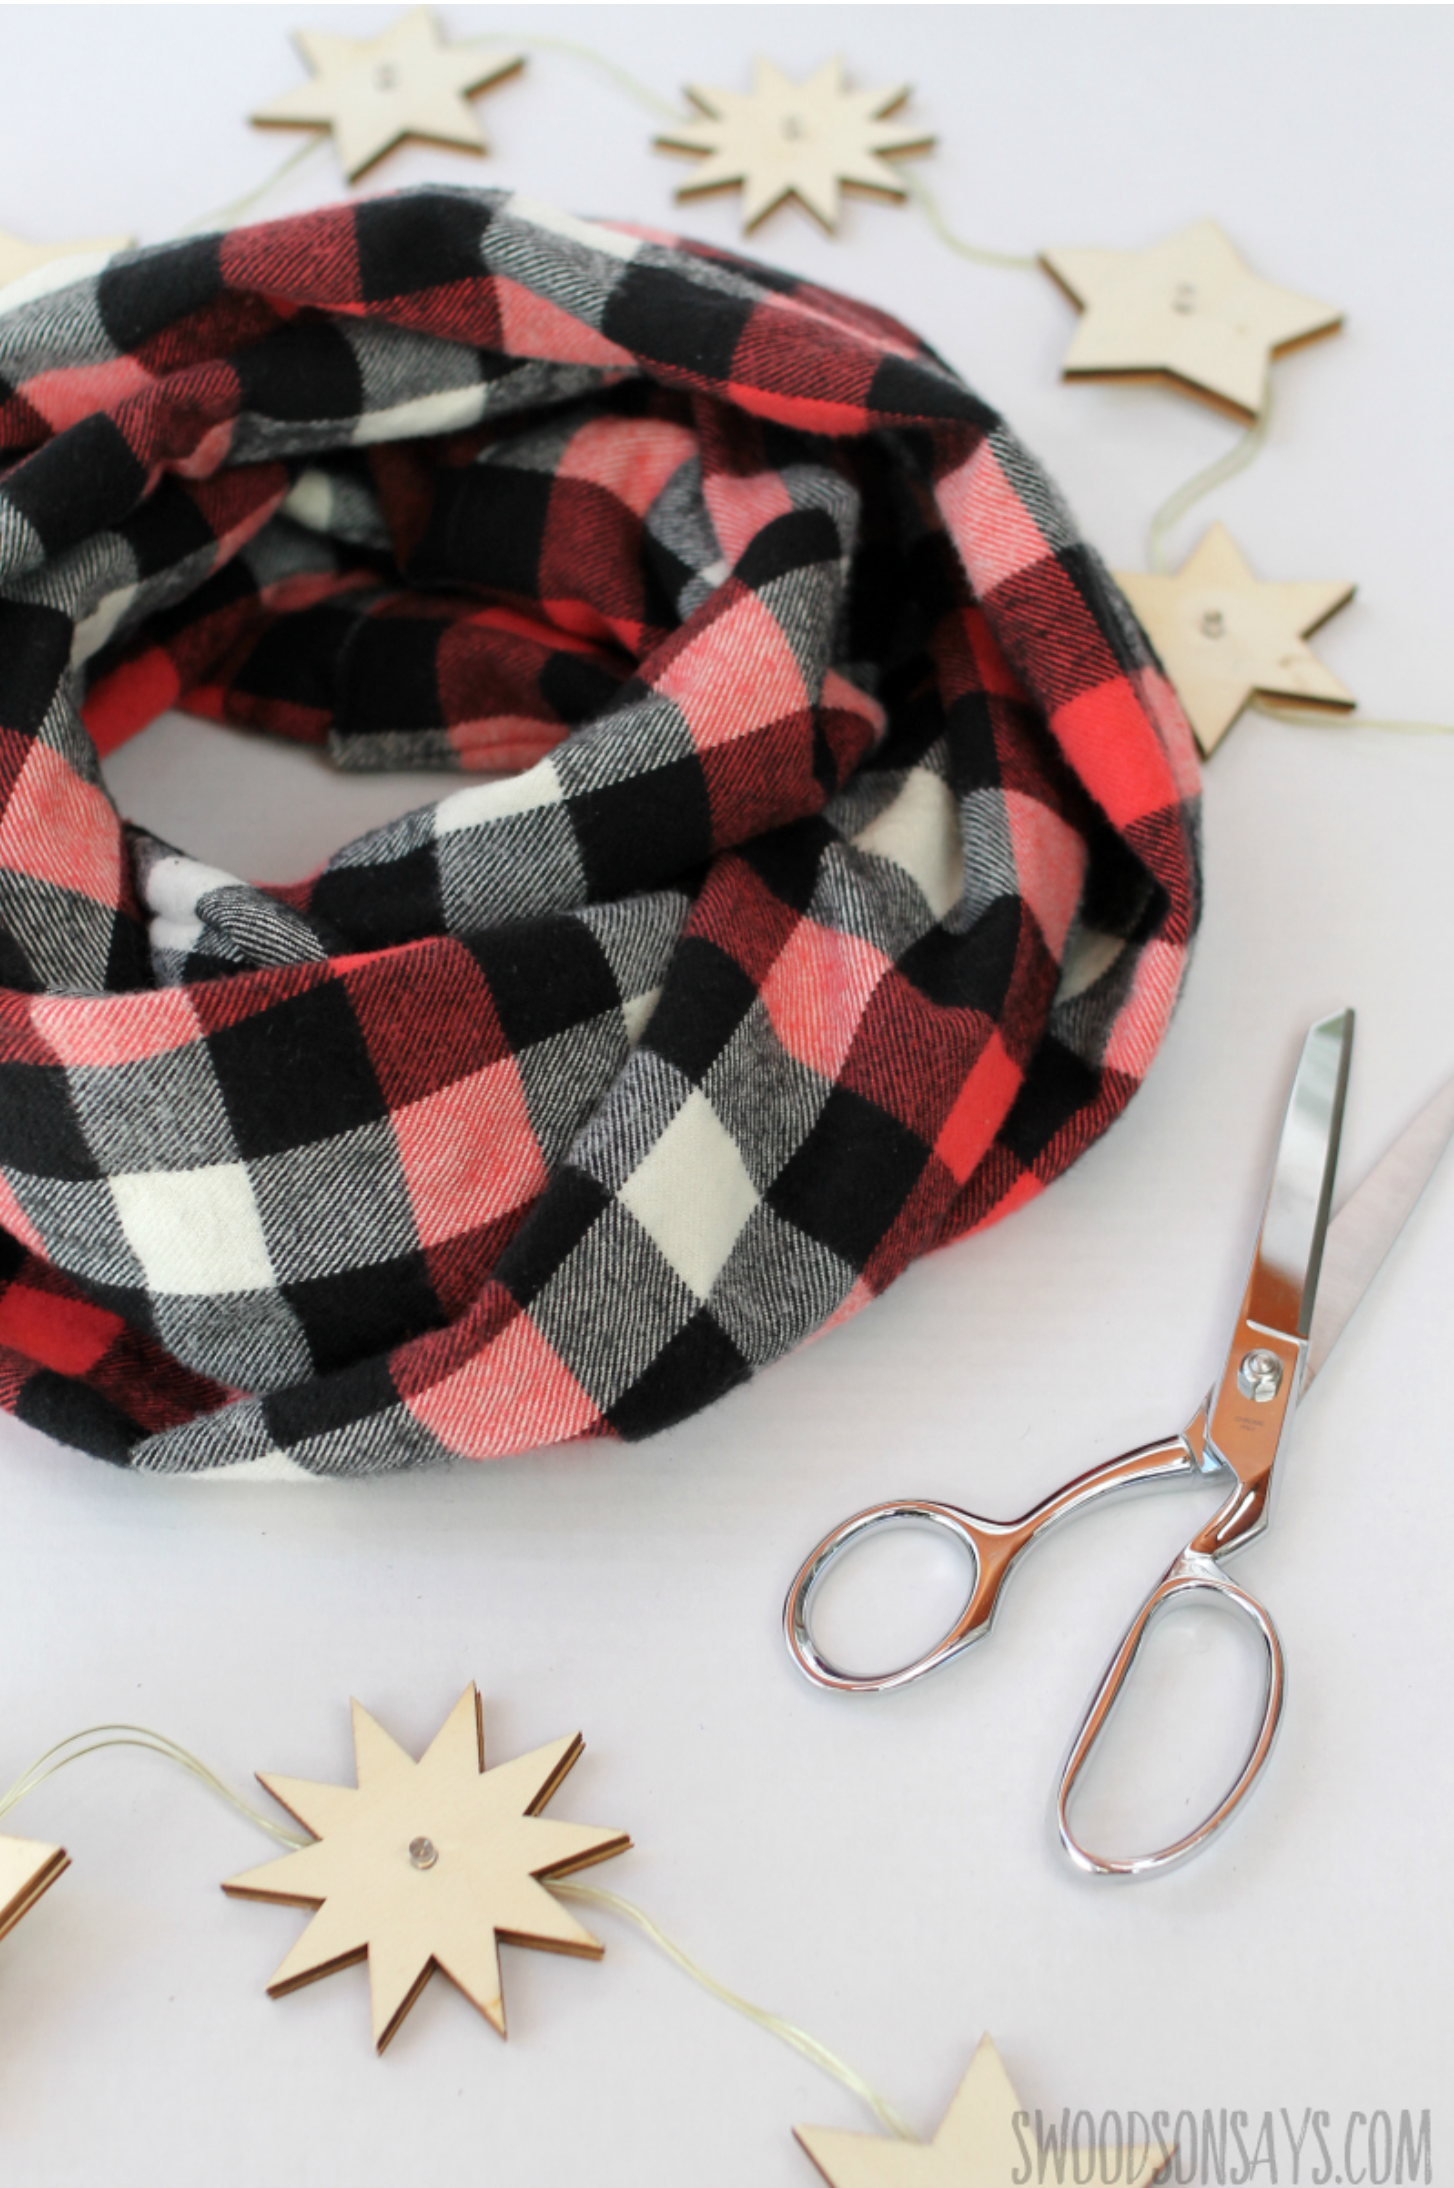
x=1226 y=636
x=984 y=2141
x=1187 y=311
x=374 y=92
x=429 y=1864
x=809 y=141
x=26 y=1870
x=18 y=258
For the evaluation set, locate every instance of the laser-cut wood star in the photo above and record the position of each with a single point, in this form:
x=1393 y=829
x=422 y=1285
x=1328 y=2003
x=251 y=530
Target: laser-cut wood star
x=977 y=2146
x=374 y=92
x=1189 y=311
x=26 y=1870
x=18 y=257
x=429 y=1865
x=809 y=141
x=1226 y=636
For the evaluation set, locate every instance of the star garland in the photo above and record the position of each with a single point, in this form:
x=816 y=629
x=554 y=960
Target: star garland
x=428 y=1865
x=433 y=1864
x=1226 y=637
x=1187 y=311
x=373 y=93
x=808 y=141
x=18 y=259
x=27 y=1869
x=983 y=2141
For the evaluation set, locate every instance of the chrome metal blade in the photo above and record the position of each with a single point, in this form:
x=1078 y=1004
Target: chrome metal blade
x=1361 y=1234
x=1284 y=1280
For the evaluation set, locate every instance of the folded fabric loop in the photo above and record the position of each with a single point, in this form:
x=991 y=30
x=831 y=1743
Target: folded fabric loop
x=819 y=885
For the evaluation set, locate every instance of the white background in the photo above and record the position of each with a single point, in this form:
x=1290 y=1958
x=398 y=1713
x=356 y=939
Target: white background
x=882 y=1872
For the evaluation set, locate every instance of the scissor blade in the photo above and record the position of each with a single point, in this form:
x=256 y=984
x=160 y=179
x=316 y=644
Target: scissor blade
x=1284 y=1280
x=1361 y=1234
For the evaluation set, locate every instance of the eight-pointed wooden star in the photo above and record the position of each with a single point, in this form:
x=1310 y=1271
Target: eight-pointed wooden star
x=18 y=258
x=429 y=1865
x=809 y=141
x=1187 y=310
x=26 y=1870
x=374 y=92
x=1225 y=635
x=979 y=2144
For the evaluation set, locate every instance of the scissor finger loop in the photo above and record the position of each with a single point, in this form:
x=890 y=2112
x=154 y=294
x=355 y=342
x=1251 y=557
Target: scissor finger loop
x=1192 y=1574
x=987 y=1546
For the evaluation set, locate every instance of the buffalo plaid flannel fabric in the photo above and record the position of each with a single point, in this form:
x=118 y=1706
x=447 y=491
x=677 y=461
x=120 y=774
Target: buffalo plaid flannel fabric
x=826 y=890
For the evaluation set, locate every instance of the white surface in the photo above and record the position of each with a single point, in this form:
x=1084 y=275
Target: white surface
x=881 y=1872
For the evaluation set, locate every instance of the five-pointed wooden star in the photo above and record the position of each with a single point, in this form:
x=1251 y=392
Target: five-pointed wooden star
x=1224 y=635
x=1187 y=310
x=429 y=1865
x=374 y=92
x=979 y=2144
x=26 y=1870
x=809 y=141
x=17 y=257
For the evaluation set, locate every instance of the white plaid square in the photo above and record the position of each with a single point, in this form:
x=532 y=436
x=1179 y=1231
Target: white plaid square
x=919 y=833
x=692 y=1194
x=194 y=1231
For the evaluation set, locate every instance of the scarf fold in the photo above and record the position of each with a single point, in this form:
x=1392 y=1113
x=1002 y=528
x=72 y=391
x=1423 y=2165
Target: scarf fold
x=826 y=890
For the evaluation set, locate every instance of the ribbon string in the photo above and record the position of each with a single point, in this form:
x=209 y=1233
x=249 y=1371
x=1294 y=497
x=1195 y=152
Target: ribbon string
x=1327 y=717
x=94 y=1739
x=787 y=2032
x=1243 y=452
x=631 y=85
x=228 y=215
x=928 y=204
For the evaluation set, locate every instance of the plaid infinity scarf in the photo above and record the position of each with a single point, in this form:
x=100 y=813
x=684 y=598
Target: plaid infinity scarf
x=837 y=899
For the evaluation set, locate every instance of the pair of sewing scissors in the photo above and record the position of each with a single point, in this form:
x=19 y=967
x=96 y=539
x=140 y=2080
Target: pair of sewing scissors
x=1307 y=1276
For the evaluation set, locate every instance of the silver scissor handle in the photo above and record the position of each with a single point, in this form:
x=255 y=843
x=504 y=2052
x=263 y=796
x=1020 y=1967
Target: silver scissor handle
x=1194 y=1572
x=993 y=1547
x=990 y=1549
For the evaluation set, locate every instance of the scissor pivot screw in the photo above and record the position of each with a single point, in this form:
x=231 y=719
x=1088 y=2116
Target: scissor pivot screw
x=1260 y=1377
